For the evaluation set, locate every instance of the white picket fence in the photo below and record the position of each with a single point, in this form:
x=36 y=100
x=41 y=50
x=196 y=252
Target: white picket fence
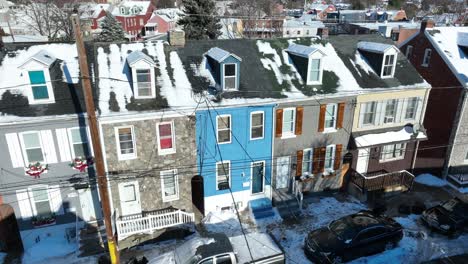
x=150 y=223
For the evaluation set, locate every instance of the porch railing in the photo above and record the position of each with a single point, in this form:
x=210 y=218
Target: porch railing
x=380 y=181
x=130 y=225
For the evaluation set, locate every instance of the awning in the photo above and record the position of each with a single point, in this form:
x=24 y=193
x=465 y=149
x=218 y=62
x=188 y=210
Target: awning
x=405 y=134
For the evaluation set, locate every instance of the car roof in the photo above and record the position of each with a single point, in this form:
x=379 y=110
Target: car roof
x=364 y=220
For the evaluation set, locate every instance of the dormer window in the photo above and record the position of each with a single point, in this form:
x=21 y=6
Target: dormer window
x=37 y=74
x=142 y=72
x=122 y=10
x=225 y=68
x=308 y=62
x=380 y=56
x=136 y=10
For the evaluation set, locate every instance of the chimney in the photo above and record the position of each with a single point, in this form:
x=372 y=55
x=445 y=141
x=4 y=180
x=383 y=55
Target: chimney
x=323 y=32
x=176 y=37
x=427 y=23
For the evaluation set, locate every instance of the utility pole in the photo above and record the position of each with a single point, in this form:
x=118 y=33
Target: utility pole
x=11 y=31
x=93 y=126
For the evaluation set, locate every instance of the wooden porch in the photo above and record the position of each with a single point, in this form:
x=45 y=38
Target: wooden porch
x=458 y=176
x=382 y=180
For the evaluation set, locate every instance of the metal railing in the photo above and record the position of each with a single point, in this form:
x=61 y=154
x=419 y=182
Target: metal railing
x=380 y=181
x=127 y=226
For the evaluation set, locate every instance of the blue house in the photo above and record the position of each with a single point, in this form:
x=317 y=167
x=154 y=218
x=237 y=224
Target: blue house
x=234 y=148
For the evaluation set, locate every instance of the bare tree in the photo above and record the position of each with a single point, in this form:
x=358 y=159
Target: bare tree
x=42 y=18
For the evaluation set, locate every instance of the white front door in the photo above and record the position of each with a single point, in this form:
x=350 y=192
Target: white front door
x=282 y=172
x=89 y=201
x=129 y=198
x=363 y=160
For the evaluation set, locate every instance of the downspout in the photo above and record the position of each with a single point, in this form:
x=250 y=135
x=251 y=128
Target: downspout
x=273 y=117
x=421 y=121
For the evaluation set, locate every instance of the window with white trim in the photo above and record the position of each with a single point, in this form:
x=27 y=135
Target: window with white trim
x=40 y=197
x=142 y=22
x=307 y=161
x=32 y=147
x=143 y=77
x=40 y=91
x=169 y=185
x=411 y=108
x=230 y=76
x=256 y=125
x=330 y=116
x=289 y=121
x=125 y=142
x=393 y=152
x=314 y=70
x=329 y=157
x=223 y=123
x=427 y=57
x=368 y=111
x=128 y=193
x=389 y=65
x=409 y=51
x=78 y=140
x=166 y=138
x=390 y=111
x=223 y=175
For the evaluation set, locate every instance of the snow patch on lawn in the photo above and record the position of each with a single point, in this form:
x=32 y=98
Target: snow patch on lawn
x=431 y=180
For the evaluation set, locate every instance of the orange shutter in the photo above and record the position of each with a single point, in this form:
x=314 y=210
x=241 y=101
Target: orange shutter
x=321 y=124
x=299 y=115
x=338 y=157
x=322 y=159
x=279 y=122
x=339 y=121
x=315 y=161
x=300 y=154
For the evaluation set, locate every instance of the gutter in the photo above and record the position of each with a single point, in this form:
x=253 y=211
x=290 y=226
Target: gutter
x=421 y=121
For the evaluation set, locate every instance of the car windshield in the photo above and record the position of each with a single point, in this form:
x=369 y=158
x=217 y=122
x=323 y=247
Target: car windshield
x=342 y=229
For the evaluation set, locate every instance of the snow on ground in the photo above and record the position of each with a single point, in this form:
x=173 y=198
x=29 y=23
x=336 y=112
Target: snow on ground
x=2 y=257
x=51 y=243
x=431 y=180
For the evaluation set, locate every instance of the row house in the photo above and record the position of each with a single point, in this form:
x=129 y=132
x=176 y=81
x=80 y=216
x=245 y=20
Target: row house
x=439 y=54
x=47 y=177
x=263 y=27
x=435 y=66
x=133 y=16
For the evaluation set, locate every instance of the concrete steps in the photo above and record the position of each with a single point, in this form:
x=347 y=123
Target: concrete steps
x=286 y=204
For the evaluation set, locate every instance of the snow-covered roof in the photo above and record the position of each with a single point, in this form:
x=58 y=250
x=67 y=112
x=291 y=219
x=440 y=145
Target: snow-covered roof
x=24 y=38
x=301 y=23
x=220 y=55
x=136 y=56
x=462 y=39
x=374 y=46
x=445 y=40
x=301 y=50
x=405 y=134
x=98 y=8
x=43 y=57
x=376 y=25
x=142 y=5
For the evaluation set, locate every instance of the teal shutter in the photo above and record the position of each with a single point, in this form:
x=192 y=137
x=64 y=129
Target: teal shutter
x=39 y=91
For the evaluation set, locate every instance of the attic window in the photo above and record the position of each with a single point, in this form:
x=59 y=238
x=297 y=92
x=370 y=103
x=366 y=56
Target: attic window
x=122 y=10
x=380 y=56
x=225 y=68
x=142 y=70
x=389 y=66
x=308 y=62
x=230 y=76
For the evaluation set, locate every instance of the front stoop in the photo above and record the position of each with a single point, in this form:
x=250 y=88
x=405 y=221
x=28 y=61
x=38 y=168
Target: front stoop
x=286 y=204
x=261 y=208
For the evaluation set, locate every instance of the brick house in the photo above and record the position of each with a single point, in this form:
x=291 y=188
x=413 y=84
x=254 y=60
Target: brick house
x=133 y=16
x=434 y=66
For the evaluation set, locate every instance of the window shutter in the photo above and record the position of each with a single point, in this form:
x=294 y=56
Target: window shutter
x=55 y=199
x=62 y=141
x=338 y=151
x=300 y=154
x=362 y=107
x=316 y=161
x=419 y=110
x=340 y=116
x=321 y=125
x=15 y=150
x=279 y=122
x=322 y=159
x=24 y=203
x=299 y=116
x=90 y=141
x=49 y=146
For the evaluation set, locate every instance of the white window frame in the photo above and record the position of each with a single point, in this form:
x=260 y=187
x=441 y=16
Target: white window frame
x=320 y=70
x=415 y=108
x=142 y=22
x=72 y=149
x=363 y=110
x=310 y=161
x=395 y=110
x=335 y=115
x=427 y=58
x=136 y=84
x=236 y=73
x=333 y=153
x=263 y=124
x=229 y=129
x=33 y=200
x=229 y=172
x=121 y=156
x=251 y=176
x=166 y=151
x=393 y=65
x=393 y=150
x=174 y=197
x=288 y=134
x=409 y=51
x=47 y=83
x=23 y=147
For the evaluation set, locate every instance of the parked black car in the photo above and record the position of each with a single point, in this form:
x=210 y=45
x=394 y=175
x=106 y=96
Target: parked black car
x=351 y=237
x=448 y=217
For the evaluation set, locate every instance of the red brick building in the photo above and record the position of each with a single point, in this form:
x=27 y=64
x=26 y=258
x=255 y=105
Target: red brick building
x=133 y=16
x=443 y=102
